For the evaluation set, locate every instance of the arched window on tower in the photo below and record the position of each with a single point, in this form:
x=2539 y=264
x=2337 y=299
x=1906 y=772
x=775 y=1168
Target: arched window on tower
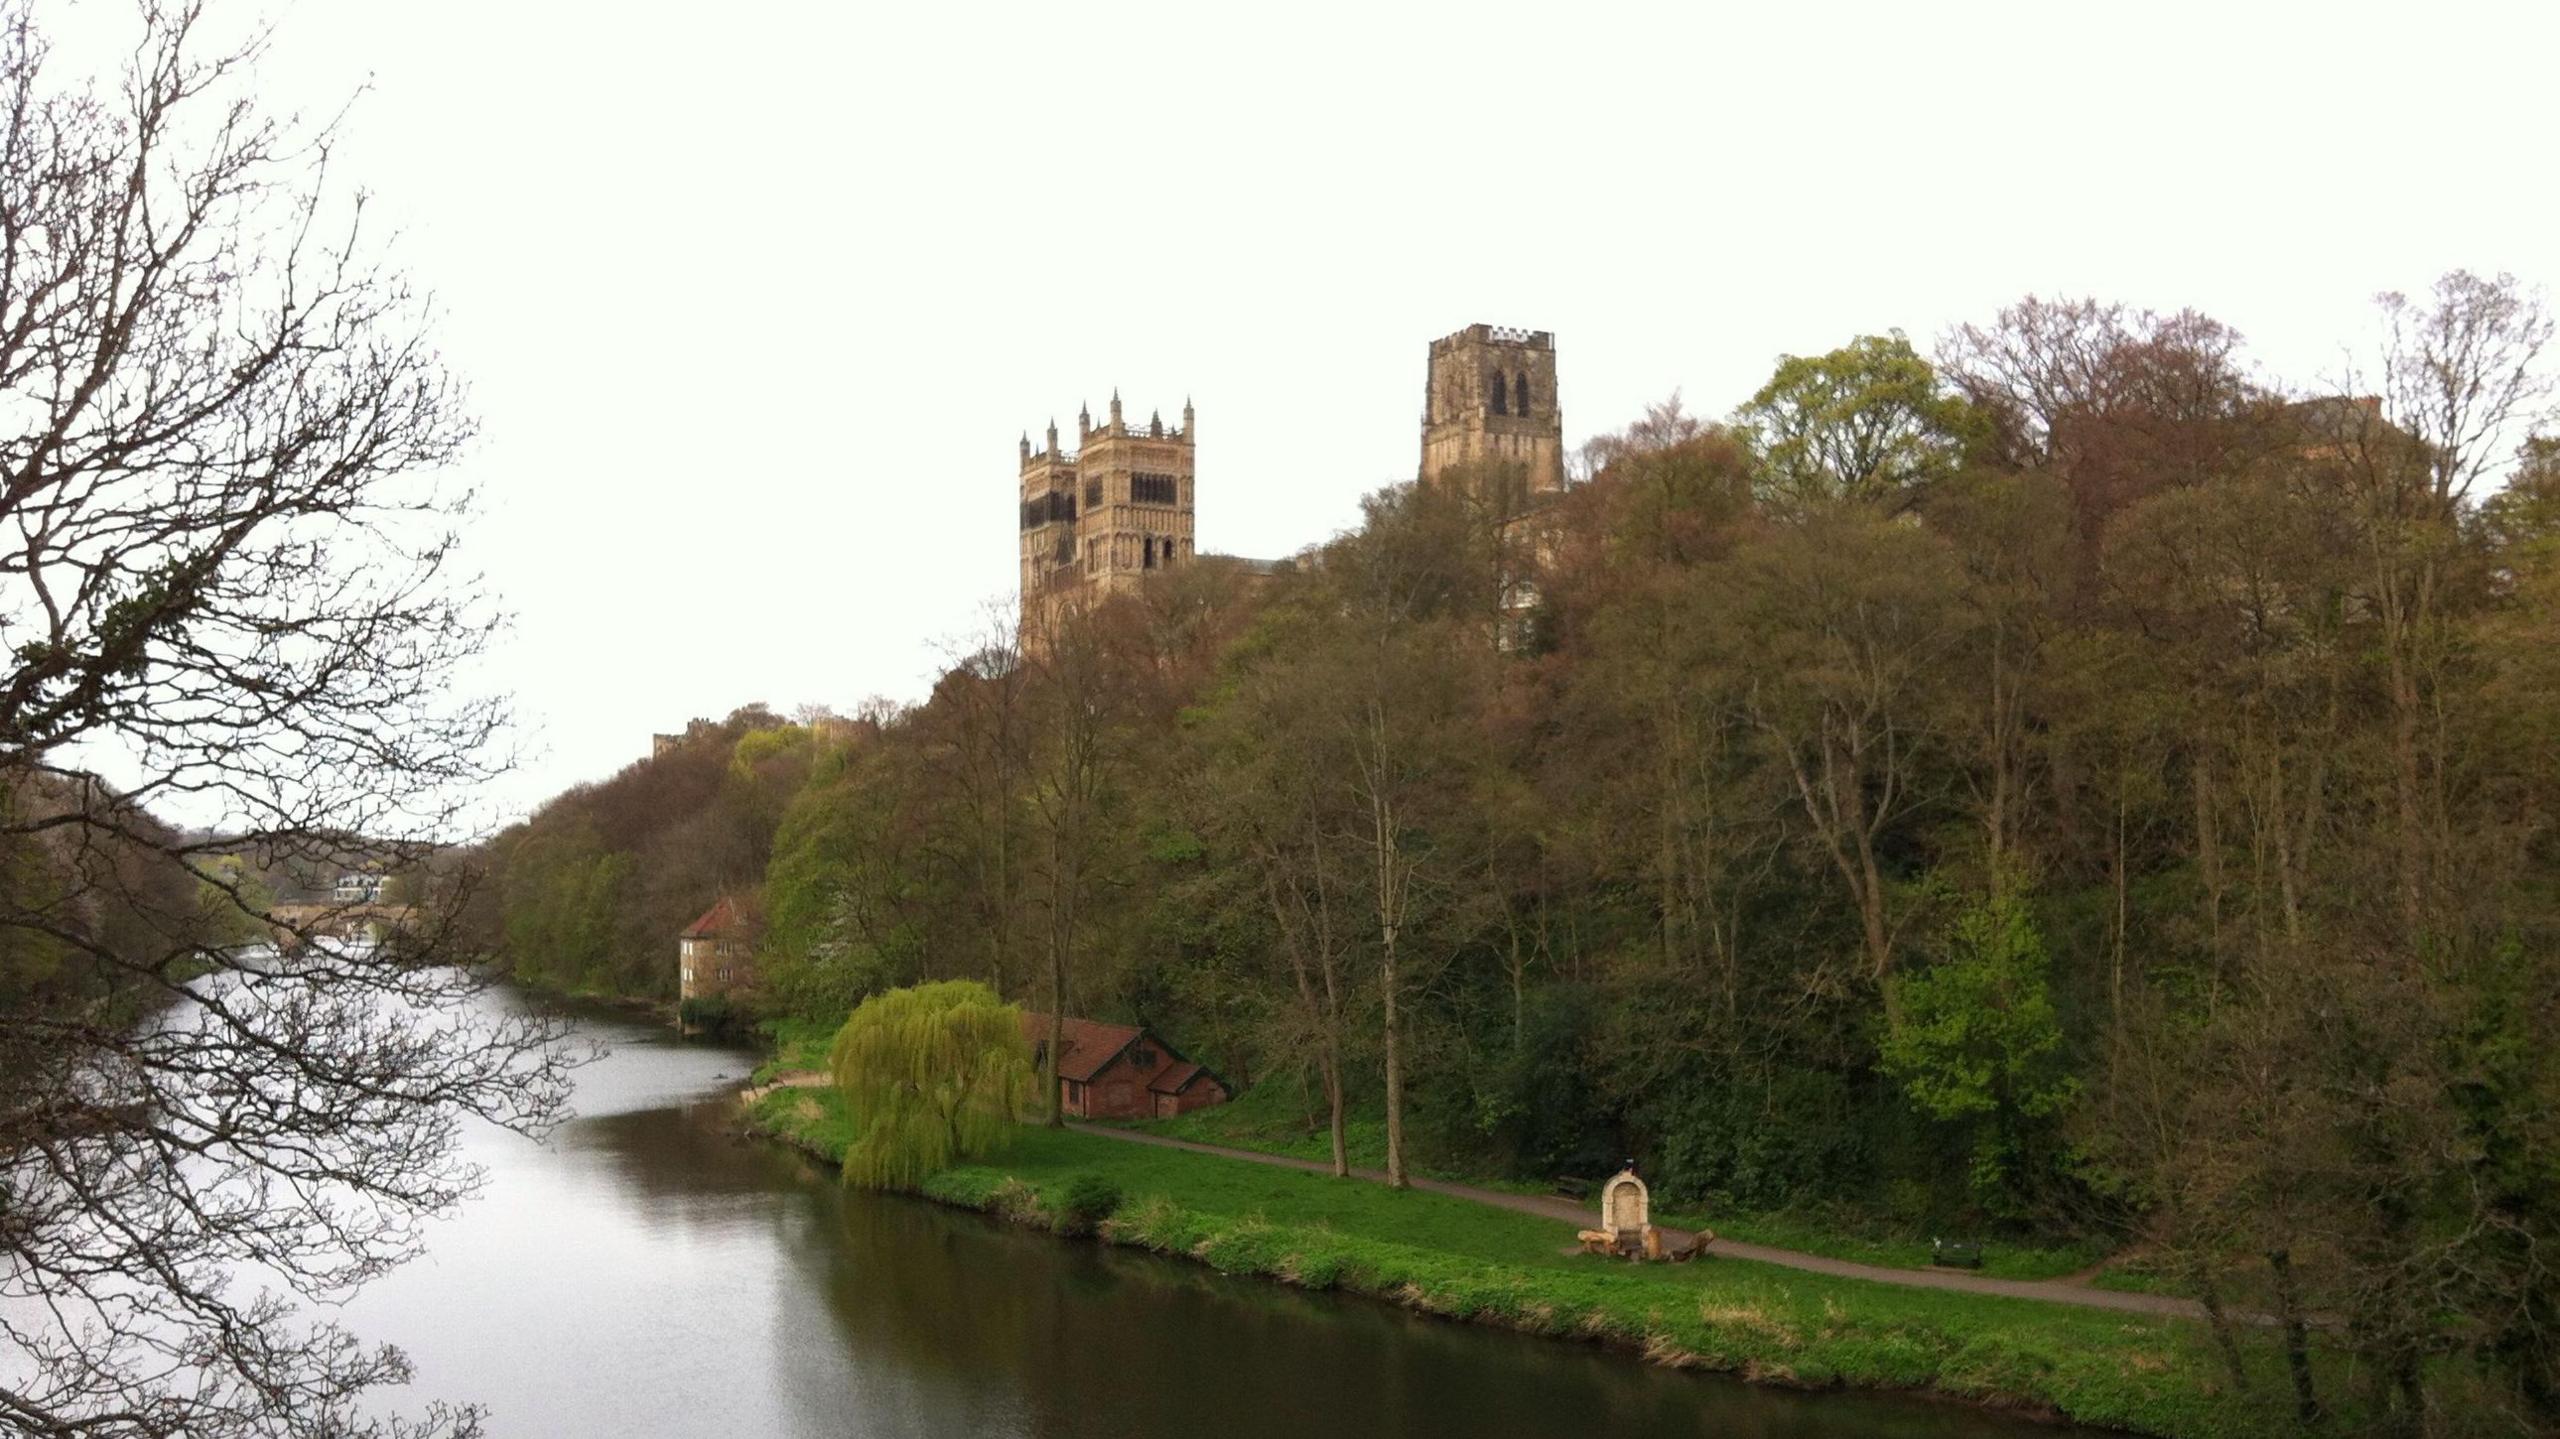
x=1520 y=394
x=1494 y=384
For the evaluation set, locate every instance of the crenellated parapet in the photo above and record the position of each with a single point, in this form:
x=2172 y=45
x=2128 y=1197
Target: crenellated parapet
x=1494 y=335
x=1489 y=403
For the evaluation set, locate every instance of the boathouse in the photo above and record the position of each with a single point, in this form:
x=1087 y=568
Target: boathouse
x=1119 y=1071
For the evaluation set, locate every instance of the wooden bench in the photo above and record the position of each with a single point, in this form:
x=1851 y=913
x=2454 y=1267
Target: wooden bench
x=1955 y=1254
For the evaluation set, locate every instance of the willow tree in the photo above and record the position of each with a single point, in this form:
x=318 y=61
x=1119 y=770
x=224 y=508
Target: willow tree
x=932 y=1075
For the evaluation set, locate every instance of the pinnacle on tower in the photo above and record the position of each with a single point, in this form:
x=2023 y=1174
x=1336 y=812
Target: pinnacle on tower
x=1026 y=444
x=1084 y=421
x=1115 y=409
x=1186 y=417
x=1053 y=434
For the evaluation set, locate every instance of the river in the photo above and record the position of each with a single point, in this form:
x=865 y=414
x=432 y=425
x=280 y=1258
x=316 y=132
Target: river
x=649 y=1272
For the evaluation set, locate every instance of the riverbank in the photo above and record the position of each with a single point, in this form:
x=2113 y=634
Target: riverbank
x=1461 y=1260
x=1269 y=1120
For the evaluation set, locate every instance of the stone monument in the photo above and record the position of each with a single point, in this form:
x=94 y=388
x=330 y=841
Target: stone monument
x=1626 y=1209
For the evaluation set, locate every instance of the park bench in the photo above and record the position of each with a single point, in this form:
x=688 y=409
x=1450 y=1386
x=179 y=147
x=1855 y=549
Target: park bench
x=1955 y=1254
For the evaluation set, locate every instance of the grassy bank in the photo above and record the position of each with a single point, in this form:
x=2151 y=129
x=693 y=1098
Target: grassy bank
x=1465 y=1260
x=1267 y=1119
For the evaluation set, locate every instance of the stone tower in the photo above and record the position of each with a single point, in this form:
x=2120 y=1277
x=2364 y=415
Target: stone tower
x=1097 y=521
x=1491 y=398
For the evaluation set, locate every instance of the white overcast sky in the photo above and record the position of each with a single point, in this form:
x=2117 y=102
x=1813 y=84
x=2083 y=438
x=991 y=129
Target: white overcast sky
x=755 y=299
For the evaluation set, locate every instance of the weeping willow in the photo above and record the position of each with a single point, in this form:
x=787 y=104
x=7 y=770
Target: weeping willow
x=932 y=1075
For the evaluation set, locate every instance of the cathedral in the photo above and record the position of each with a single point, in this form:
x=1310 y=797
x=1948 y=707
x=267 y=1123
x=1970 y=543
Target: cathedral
x=1098 y=519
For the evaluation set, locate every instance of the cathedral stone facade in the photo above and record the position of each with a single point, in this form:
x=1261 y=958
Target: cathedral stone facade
x=1491 y=400
x=1098 y=519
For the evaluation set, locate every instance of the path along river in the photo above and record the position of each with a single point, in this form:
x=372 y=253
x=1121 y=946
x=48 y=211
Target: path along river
x=648 y=1272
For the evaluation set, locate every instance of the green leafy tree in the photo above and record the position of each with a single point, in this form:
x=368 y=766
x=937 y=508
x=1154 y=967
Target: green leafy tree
x=932 y=1075
x=1868 y=423
x=1979 y=1042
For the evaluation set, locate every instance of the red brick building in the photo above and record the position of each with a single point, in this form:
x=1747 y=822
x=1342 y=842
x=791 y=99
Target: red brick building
x=1117 y=1071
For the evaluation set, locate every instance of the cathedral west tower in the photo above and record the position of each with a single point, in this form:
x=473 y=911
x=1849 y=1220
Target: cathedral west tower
x=1098 y=520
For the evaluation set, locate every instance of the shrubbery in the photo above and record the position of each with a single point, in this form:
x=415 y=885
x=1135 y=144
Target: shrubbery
x=1090 y=1199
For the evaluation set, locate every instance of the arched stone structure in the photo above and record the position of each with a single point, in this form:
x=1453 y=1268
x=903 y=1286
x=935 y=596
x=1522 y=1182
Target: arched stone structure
x=1626 y=1208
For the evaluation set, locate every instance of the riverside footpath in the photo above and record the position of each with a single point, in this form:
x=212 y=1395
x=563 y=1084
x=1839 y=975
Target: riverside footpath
x=2050 y=1291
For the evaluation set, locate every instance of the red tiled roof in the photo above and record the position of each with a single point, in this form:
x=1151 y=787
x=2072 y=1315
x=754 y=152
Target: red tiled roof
x=715 y=919
x=1084 y=1046
x=1174 y=1077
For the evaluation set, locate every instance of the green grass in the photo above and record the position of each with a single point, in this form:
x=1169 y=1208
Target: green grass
x=1273 y=1119
x=2136 y=1278
x=1466 y=1260
x=1866 y=1242
x=810 y=1119
x=798 y=1044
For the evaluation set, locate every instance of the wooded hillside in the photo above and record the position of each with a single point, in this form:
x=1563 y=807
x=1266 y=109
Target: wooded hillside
x=2071 y=783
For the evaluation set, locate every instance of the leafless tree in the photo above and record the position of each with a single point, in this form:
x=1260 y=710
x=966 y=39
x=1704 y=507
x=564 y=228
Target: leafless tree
x=225 y=574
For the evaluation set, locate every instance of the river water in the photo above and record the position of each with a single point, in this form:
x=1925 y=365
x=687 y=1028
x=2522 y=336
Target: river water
x=649 y=1272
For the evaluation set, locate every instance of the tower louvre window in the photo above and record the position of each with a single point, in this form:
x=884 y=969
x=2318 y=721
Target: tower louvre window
x=1150 y=489
x=1520 y=394
x=1093 y=493
x=1499 y=390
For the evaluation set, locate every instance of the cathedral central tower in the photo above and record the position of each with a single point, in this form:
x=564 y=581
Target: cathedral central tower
x=1491 y=400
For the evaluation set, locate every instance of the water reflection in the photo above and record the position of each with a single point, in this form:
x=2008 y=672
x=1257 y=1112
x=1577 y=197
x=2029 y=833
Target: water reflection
x=650 y=1272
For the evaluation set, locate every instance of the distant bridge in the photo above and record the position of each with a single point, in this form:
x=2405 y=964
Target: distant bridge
x=368 y=920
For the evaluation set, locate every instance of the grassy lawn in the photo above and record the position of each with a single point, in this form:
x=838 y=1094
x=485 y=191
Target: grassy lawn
x=1467 y=1260
x=1889 y=1247
x=1272 y=1119
x=797 y=1044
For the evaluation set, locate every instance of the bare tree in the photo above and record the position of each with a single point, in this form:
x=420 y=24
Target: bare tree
x=1075 y=777
x=223 y=573
x=2463 y=379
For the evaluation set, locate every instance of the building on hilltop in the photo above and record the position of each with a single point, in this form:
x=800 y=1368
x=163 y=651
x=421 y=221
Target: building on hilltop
x=1491 y=414
x=1098 y=520
x=358 y=887
x=1489 y=398
x=1119 y=1071
x=663 y=744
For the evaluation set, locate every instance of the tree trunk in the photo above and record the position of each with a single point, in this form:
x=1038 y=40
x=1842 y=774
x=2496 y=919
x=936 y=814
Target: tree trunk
x=1333 y=1110
x=2297 y=1342
x=1395 y=1063
x=1871 y=921
x=1049 y=1057
x=2224 y=1340
x=1386 y=839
